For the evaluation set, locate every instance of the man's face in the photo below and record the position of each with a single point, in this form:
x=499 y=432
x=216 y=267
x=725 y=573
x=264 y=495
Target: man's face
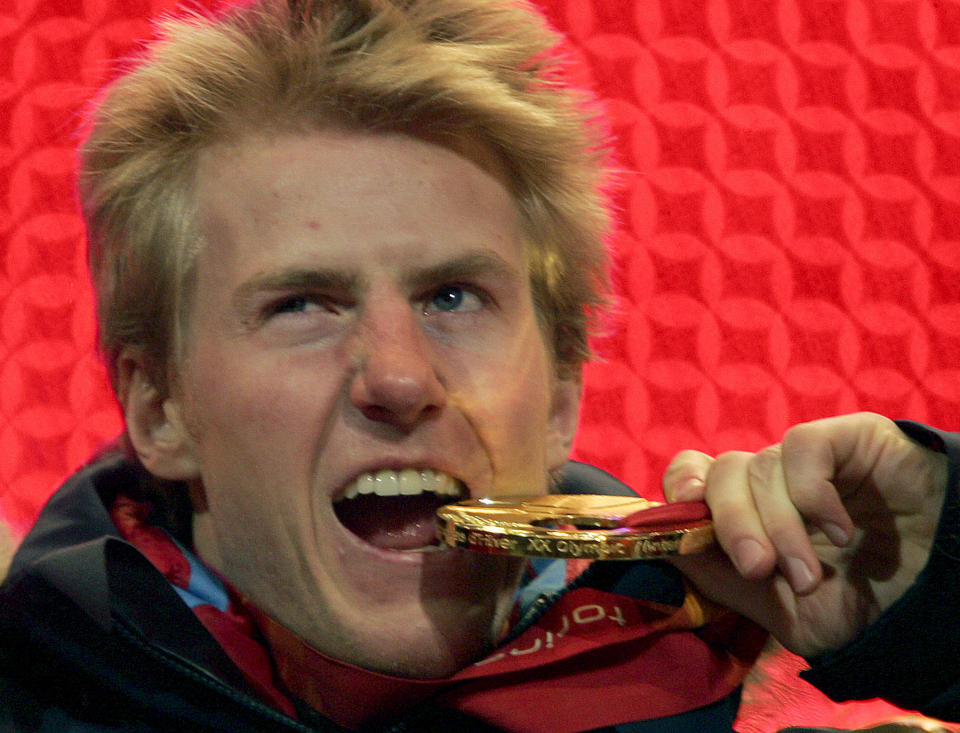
x=362 y=319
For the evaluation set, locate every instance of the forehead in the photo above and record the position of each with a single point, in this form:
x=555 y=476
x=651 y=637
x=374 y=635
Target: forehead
x=349 y=198
x=275 y=164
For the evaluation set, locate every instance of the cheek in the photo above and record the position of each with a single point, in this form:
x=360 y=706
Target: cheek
x=252 y=414
x=511 y=407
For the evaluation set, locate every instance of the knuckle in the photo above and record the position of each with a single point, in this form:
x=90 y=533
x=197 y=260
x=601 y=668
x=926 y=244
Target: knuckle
x=780 y=529
x=801 y=434
x=731 y=458
x=764 y=465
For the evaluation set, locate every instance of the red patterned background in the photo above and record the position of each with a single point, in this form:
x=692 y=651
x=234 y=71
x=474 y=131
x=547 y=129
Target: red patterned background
x=788 y=248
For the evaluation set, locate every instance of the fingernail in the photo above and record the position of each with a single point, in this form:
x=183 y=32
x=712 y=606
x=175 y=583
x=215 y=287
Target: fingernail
x=836 y=534
x=748 y=555
x=799 y=575
x=691 y=489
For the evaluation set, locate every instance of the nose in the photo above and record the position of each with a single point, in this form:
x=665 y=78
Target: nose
x=395 y=381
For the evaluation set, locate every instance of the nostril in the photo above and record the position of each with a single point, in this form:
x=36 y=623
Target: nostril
x=376 y=413
x=403 y=418
x=397 y=392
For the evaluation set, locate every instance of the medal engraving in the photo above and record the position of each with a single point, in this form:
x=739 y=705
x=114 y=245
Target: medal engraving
x=574 y=526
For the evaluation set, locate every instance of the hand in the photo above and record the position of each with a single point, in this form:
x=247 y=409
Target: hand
x=818 y=534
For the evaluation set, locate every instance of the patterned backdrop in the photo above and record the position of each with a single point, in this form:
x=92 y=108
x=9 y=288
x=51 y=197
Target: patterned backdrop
x=788 y=243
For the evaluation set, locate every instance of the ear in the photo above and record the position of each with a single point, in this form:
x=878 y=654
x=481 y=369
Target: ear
x=564 y=416
x=154 y=421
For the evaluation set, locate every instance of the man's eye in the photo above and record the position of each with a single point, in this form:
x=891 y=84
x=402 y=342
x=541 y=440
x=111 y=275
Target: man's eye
x=290 y=305
x=453 y=299
x=297 y=304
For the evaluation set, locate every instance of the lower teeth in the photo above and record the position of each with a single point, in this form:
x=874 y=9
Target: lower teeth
x=428 y=548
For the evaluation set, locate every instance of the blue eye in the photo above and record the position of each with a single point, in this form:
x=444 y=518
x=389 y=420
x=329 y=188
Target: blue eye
x=453 y=299
x=448 y=299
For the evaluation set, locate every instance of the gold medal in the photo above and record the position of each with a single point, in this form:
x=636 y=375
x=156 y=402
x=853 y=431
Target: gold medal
x=576 y=526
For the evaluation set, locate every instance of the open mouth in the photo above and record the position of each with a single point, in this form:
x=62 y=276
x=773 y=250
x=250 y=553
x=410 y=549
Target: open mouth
x=396 y=510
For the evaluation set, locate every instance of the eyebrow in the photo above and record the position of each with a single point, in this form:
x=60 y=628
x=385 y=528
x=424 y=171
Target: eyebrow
x=474 y=264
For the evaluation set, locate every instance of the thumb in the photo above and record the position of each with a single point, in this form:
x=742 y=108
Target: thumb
x=685 y=479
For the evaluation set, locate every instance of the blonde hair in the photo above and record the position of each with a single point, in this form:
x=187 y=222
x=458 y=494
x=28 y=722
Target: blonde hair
x=460 y=70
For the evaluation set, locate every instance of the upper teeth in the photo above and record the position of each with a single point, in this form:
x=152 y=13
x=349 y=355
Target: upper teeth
x=408 y=482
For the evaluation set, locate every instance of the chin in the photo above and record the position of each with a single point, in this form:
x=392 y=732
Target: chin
x=438 y=637
x=426 y=659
